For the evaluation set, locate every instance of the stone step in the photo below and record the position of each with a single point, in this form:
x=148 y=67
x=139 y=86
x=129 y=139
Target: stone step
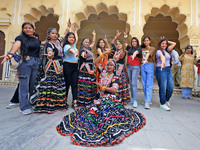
x=195 y=93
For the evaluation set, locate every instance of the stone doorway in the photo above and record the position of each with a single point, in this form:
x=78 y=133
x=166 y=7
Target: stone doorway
x=162 y=26
x=46 y=22
x=2 y=50
x=104 y=24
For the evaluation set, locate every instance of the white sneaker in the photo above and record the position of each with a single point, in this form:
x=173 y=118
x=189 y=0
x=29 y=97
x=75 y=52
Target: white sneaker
x=135 y=105
x=147 y=105
x=164 y=107
x=26 y=111
x=168 y=104
x=12 y=105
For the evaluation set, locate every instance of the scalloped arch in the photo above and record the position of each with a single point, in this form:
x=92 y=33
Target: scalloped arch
x=101 y=7
x=175 y=15
x=36 y=13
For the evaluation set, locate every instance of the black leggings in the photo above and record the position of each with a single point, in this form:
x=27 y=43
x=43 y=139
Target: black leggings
x=15 y=98
x=71 y=78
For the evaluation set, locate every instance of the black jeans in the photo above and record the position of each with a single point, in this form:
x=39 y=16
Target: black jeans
x=15 y=98
x=71 y=78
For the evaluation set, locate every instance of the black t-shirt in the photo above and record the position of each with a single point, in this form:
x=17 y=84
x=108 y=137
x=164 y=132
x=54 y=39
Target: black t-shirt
x=132 y=50
x=30 y=45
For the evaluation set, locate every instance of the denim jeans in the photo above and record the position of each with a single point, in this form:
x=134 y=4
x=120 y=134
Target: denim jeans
x=147 y=77
x=186 y=92
x=27 y=73
x=133 y=73
x=165 y=83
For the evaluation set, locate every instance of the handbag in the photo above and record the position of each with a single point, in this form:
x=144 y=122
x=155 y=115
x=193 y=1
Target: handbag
x=16 y=61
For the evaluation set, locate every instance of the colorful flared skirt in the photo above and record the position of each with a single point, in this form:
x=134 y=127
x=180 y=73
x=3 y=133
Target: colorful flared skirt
x=101 y=125
x=123 y=90
x=52 y=89
x=86 y=87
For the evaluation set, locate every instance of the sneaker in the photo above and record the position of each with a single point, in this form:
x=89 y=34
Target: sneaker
x=135 y=105
x=143 y=103
x=168 y=104
x=12 y=105
x=164 y=107
x=26 y=111
x=147 y=105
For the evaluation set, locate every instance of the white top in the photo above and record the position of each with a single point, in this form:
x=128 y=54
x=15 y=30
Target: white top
x=175 y=58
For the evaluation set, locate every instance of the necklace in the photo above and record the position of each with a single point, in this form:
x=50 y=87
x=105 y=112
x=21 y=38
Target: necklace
x=116 y=55
x=106 y=79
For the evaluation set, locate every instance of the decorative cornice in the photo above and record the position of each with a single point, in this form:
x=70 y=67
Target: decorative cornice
x=5 y=22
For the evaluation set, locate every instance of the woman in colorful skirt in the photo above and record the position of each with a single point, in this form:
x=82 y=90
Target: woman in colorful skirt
x=147 y=70
x=51 y=88
x=104 y=124
x=119 y=56
x=86 y=78
x=188 y=60
x=100 y=48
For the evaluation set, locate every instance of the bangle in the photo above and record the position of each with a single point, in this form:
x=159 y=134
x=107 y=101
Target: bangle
x=102 y=55
x=8 y=57
x=125 y=36
x=103 y=88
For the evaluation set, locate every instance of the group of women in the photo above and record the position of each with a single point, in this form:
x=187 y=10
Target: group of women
x=100 y=88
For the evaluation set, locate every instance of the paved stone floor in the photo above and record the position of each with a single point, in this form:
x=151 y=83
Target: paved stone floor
x=178 y=129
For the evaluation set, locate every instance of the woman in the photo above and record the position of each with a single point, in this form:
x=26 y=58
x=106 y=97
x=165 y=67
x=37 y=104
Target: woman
x=120 y=56
x=71 y=64
x=27 y=71
x=104 y=124
x=86 y=78
x=14 y=102
x=163 y=72
x=147 y=70
x=51 y=87
x=188 y=60
x=100 y=48
x=133 y=65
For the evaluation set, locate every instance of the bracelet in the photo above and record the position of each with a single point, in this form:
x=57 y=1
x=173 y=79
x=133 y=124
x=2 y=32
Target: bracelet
x=8 y=57
x=102 y=55
x=103 y=88
x=125 y=36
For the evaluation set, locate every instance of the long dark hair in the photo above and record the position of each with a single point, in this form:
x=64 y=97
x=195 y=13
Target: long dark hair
x=65 y=42
x=134 y=38
x=189 y=47
x=98 y=46
x=159 y=45
x=25 y=45
x=143 y=45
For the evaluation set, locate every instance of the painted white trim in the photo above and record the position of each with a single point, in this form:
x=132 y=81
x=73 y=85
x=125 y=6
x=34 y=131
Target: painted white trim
x=140 y=9
x=197 y=12
x=20 y=2
x=68 y=3
x=191 y=13
x=63 y=10
x=134 y=12
x=15 y=8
